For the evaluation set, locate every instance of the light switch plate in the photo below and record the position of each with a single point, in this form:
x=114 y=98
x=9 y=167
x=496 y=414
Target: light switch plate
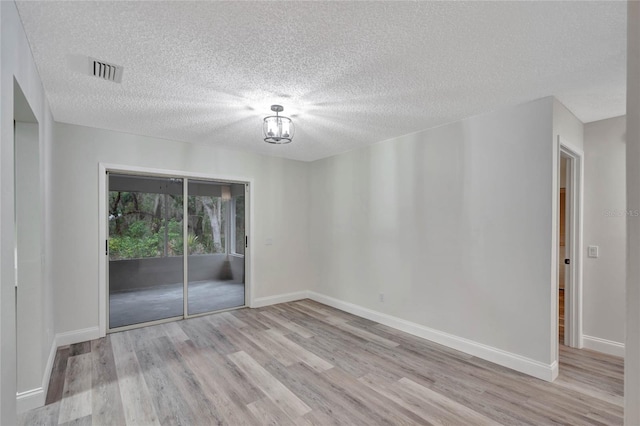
x=593 y=251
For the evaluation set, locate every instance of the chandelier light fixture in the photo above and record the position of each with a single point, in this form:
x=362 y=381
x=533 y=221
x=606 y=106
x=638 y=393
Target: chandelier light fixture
x=277 y=129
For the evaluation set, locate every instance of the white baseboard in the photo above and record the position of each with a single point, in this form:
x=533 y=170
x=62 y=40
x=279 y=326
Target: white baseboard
x=35 y=398
x=602 y=345
x=77 y=336
x=49 y=367
x=28 y=400
x=516 y=362
x=280 y=298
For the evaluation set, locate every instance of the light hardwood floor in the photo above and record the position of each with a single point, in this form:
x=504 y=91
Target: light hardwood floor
x=306 y=363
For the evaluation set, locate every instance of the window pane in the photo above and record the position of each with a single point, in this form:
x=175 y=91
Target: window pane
x=216 y=280
x=207 y=220
x=144 y=225
x=146 y=271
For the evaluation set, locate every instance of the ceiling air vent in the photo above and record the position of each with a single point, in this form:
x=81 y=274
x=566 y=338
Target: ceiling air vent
x=105 y=70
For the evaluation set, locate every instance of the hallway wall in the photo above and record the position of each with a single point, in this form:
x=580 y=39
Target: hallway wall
x=605 y=226
x=16 y=64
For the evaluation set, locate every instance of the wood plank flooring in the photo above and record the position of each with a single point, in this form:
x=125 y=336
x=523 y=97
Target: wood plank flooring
x=304 y=363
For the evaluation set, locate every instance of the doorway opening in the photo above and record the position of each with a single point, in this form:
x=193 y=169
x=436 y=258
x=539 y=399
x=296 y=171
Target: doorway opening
x=175 y=248
x=569 y=256
x=562 y=253
x=28 y=243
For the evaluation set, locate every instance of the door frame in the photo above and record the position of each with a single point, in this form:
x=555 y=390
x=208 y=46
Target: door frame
x=573 y=241
x=103 y=232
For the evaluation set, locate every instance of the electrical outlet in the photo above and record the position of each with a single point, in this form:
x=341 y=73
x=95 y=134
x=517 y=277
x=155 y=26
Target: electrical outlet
x=382 y=297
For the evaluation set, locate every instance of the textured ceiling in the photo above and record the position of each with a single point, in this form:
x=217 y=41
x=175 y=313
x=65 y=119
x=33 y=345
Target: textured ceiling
x=348 y=73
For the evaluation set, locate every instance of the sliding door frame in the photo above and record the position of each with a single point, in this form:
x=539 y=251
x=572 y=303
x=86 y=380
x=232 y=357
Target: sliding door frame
x=103 y=232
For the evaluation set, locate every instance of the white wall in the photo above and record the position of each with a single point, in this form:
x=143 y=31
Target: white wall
x=16 y=62
x=632 y=338
x=567 y=125
x=427 y=219
x=29 y=252
x=605 y=227
x=280 y=211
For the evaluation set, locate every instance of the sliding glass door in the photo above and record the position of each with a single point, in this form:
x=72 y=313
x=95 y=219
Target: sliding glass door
x=216 y=269
x=148 y=237
x=145 y=249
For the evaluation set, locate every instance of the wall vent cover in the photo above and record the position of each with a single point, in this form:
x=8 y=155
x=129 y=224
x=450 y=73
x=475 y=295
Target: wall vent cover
x=105 y=70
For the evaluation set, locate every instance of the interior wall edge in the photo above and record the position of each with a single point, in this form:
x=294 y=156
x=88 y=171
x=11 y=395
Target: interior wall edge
x=18 y=67
x=632 y=292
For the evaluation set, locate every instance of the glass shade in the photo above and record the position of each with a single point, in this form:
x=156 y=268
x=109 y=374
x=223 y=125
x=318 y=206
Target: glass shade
x=277 y=129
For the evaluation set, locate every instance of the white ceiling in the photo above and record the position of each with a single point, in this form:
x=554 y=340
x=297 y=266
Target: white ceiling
x=348 y=73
